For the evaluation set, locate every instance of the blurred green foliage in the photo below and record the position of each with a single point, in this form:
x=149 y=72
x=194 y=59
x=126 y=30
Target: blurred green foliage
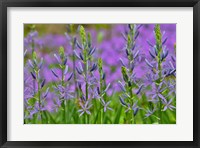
x=60 y=28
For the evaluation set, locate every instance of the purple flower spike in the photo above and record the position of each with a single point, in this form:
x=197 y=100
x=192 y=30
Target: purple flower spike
x=67 y=36
x=80 y=66
x=79 y=85
x=76 y=54
x=81 y=57
x=103 y=76
x=122 y=101
x=94 y=67
x=136 y=111
x=164 y=55
x=137 y=34
x=155 y=50
x=135 y=108
x=54 y=73
x=165 y=40
x=40 y=64
x=33 y=75
x=66 y=70
x=46 y=93
x=30 y=64
x=139 y=90
x=157 y=93
x=65 y=61
x=172 y=71
x=98 y=91
x=79 y=71
x=150 y=44
x=173 y=58
x=121 y=86
x=149 y=64
x=91 y=51
x=127 y=53
x=70 y=76
x=139 y=26
x=79 y=46
x=133 y=47
x=107 y=87
x=169 y=106
x=85 y=109
x=151 y=54
x=42 y=84
x=136 y=54
x=123 y=35
x=57 y=58
x=74 y=40
x=83 y=98
x=149 y=113
x=122 y=62
x=105 y=105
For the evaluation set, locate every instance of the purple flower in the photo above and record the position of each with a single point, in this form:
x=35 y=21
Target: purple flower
x=57 y=58
x=70 y=76
x=149 y=112
x=135 y=108
x=157 y=93
x=121 y=86
x=168 y=105
x=139 y=90
x=85 y=108
x=33 y=75
x=56 y=105
x=94 y=67
x=46 y=93
x=105 y=105
x=54 y=73
x=122 y=101
x=64 y=92
x=42 y=84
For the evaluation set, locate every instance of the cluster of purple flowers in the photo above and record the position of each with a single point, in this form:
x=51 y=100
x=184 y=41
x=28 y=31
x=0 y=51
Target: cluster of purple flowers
x=89 y=71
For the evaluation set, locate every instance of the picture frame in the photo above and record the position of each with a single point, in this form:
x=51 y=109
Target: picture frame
x=99 y=3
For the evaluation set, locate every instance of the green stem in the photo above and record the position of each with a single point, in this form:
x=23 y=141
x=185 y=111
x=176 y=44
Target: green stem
x=160 y=77
x=102 y=116
x=64 y=101
x=33 y=49
x=39 y=91
x=86 y=74
x=101 y=90
x=85 y=118
x=133 y=118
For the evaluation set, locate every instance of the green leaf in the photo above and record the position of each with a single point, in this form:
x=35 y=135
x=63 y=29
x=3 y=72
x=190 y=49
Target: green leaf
x=51 y=119
x=32 y=101
x=117 y=118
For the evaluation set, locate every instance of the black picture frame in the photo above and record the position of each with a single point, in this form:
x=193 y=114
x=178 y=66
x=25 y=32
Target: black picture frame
x=4 y=4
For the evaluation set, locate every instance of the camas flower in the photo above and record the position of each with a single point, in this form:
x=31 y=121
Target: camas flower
x=168 y=105
x=157 y=93
x=85 y=108
x=105 y=105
